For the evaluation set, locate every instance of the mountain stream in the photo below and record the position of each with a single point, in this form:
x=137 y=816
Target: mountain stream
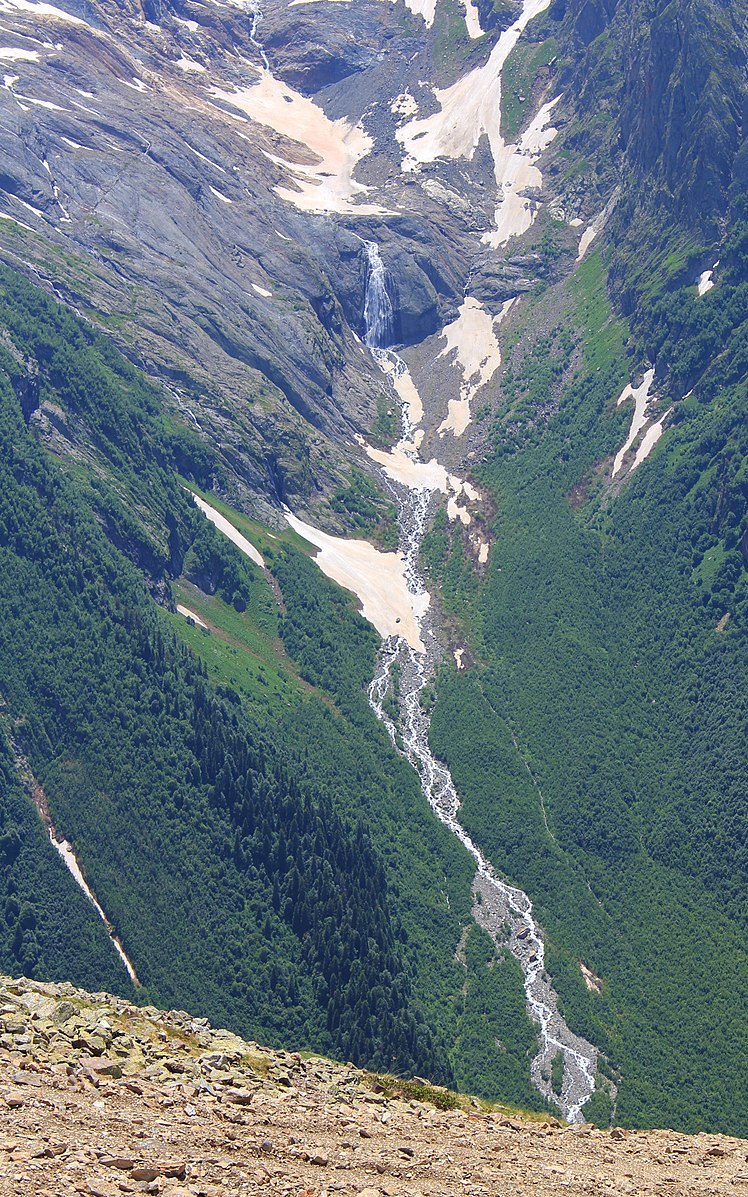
x=502 y=910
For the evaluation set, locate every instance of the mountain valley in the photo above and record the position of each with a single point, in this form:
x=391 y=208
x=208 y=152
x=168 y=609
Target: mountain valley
x=426 y=749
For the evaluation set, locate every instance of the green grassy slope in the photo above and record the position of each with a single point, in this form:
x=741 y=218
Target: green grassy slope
x=236 y=888
x=609 y=704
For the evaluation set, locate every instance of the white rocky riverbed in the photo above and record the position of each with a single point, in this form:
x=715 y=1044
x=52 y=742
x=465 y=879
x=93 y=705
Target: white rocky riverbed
x=501 y=909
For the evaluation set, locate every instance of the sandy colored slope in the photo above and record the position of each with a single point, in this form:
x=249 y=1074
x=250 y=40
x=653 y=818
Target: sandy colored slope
x=189 y=614
x=470 y=109
x=642 y=398
x=473 y=341
x=649 y=440
x=328 y=184
x=405 y=388
x=228 y=529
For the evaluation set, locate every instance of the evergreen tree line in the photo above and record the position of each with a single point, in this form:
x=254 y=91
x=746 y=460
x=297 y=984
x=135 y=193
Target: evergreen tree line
x=236 y=889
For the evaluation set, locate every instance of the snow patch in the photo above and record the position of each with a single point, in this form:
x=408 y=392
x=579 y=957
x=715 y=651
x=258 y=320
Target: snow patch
x=219 y=195
x=327 y=186
x=470 y=109
x=404 y=105
x=471 y=338
x=40 y=103
x=262 y=291
x=403 y=465
x=202 y=157
x=40 y=10
x=641 y=397
x=12 y=219
x=376 y=578
x=596 y=226
x=188 y=614
x=585 y=241
x=420 y=8
x=592 y=230
x=539 y=134
x=29 y=207
x=649 y=440
x=228 y=529
x=705 y=281
x=71 y=861
x=189 y=64
x=405 y=388
x=423 y=8
x=15 y=54
x=90 y=111
x=593 y=982
x=472 y=19
x=456 y=511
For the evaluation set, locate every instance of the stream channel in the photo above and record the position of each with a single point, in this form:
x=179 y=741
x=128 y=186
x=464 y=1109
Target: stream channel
x=502 y=910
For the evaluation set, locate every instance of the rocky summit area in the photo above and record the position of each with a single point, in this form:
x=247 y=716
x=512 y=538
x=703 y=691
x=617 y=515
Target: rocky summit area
x=100 y=1097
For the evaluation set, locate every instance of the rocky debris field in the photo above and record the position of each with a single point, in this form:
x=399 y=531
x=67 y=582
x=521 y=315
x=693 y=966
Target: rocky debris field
x=101 y=1098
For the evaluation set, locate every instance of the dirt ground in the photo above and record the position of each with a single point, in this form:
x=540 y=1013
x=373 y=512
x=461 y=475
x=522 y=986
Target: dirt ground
x=99 y=1098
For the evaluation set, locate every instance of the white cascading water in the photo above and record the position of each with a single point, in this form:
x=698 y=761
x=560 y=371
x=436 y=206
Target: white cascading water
x=379 y=314
x=502 y=910
x=256 y=14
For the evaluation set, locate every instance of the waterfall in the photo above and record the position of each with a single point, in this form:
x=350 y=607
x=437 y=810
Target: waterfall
x=379 y=314
x=502 y=910
x=256 y=12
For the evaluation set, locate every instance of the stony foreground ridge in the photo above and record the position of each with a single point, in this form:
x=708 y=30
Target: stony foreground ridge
x=101 y=1098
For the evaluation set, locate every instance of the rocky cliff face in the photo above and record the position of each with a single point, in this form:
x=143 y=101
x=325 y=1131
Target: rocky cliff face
x=198 y=179
x=661 y=93
x=685 y=84
x=147 y=200
x=148 y=188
